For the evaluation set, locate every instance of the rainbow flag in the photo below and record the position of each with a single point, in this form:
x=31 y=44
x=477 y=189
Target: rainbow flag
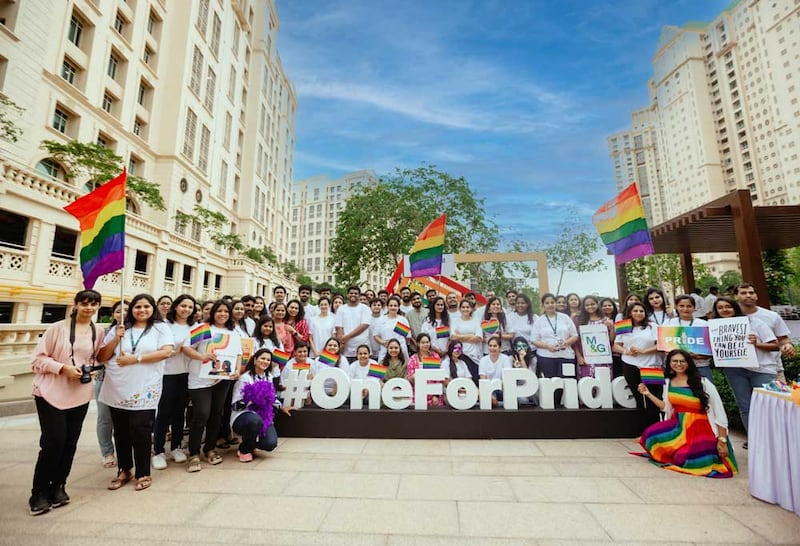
x=199 y=333
x=101 y=214
x=376 y=370
x=652 y=376
x=301 y=365
x=442 y=332
x=425 y=258
x=624 y=326
x=328 y=358
x=402 y=328
x=490 y=326
x=432 y=362
x=281 y=357
x=692 y=339
x=622 y=226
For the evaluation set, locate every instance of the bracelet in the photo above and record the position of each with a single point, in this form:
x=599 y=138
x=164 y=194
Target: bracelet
x=138 y=359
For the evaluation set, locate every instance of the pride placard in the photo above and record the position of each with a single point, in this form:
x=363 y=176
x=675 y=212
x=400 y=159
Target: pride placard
x=692 y=339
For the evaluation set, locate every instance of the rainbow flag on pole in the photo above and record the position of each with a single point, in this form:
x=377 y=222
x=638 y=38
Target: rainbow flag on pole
x=622 y=226
x=101 y=214
x=624 y=326
x=199 y=333
x=442 y=332
x=301 y=365
x=281 y=357
x=425 y=258
x=402 y=328
x=652 y=376
x=432 y=362
x=377 y=370
x=328 y=358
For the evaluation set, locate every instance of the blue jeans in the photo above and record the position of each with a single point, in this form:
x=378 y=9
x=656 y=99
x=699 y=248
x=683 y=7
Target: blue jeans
x=742 y=382
x=105 y=428
x=248 y=426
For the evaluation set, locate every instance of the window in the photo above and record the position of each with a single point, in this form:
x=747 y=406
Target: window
x=140 y=265
x=138 y=127
x=133 y=163
x=205 y=142
x=151 y=23
x=223 y=181
x=6 y=312
x=119 y=24
x=189 y=134
x=180 y=225
x=13 y=230
x=65 y=242
x=108 y=102
x=226 y=138
x=169 y=271
x=216 y=30
x=53 y=313
x=197 y=71
x=144 y=93
x=232 y=83
x=202 y=16
x=197 y=231
x=60 y=120
x=75 y=31
x=68 y=71
x=211 y=84
x=148 y=54
x=113 y=64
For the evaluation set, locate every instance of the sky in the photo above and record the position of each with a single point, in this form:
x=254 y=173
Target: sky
x=517 y=96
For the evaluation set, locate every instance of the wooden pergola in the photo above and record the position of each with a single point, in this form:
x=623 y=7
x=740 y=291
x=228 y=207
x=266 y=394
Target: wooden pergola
x=728 y=224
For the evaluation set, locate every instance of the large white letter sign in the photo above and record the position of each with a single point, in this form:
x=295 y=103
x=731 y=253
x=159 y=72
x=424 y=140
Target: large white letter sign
x=357 y=387
x=487 y=388
x=397 y=393
x=318 y=394
x=518 y=382
x=622 y=393
x=462 y=393
x=427 y=382
x=595 y=392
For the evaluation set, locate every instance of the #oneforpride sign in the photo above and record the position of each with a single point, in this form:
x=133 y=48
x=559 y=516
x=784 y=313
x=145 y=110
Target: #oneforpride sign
x=462 y=393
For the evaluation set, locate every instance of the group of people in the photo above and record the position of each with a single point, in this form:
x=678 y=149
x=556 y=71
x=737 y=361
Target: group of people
x=147 y=367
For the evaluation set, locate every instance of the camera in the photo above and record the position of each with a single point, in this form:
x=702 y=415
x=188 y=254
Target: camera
x=87 y=370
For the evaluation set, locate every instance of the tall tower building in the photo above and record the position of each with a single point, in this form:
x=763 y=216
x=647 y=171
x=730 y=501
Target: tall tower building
x=192 y=95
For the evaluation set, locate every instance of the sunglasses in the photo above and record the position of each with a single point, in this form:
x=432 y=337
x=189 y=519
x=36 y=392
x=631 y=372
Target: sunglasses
x=519 y=346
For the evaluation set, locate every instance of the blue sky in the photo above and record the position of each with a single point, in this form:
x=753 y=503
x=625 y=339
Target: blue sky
x=517 y=96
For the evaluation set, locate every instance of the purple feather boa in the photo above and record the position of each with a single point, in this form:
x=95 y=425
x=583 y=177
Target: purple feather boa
x=260 y=397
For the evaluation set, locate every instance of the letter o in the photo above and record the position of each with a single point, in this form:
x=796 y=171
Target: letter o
x=318 y=394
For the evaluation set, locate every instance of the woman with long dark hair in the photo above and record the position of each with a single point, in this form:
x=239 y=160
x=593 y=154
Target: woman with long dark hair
x=693 y=438
x=573 y=305
x=656 y=304
x=521 y=319
x=265 y=336
x=459 y=364
x=684 y=304
x=133 y=386
x=554 y=335
x=590 y=314
x=62 y=397
x=494 y=311
x=437 y=325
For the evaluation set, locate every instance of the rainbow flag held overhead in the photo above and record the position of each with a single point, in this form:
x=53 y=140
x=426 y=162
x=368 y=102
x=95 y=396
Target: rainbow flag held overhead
x=425 y=258
x=328 y=358
x=281 y=357
x=101 y=214
x=376 y=370
x=199 y=333
x=432 y=362
x=622 y=226
x=624 y=326
x=652 y=376
x=301 y=365
x=442 y=332
x=402 y=328
x=490 y=326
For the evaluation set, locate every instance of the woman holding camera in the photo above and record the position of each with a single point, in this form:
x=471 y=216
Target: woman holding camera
x=62 y=390
x=133 y=384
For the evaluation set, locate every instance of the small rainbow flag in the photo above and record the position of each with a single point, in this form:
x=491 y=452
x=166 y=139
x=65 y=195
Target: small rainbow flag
x=624 y=326
x=442 y=332
x=652 y=376
x=490 y=326
x=376 y=370
x=281 y=357
x=328 y=358
x=199 y=333
x=402 y=328
x=301 y=365
x=101 y=214
x=432 y=362
x=425 y=257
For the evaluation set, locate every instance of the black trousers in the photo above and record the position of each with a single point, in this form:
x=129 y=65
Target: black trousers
x=648 y=412
x=170 y=412
x=132 y=429
x=57 y=444
x=206 y=415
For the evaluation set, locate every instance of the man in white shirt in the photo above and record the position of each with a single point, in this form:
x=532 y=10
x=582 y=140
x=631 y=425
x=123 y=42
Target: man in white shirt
x=699 y=303
x=708 y=302
x=304 y=294
x=451 y=300
x=352 y=323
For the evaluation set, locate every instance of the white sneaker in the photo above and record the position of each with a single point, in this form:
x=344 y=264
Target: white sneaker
x=159 y=461
x=178 y=455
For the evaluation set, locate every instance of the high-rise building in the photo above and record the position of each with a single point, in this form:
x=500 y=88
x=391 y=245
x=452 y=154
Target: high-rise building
x=192 y=95
x=724 y=98
x=316 y=205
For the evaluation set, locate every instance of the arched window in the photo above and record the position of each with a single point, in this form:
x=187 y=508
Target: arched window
x=51 y=168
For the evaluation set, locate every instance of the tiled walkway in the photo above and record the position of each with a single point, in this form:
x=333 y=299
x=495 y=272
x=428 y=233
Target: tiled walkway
x=392 y=492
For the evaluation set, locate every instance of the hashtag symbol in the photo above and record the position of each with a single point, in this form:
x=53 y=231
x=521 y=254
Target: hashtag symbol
x=296 y=385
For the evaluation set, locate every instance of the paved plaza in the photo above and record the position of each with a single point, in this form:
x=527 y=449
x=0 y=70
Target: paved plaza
x=392 y=492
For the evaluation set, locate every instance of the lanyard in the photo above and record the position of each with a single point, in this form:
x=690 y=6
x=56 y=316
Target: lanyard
x=663 y=317
x=135 y=344
x=690 y=322
x=553 y=327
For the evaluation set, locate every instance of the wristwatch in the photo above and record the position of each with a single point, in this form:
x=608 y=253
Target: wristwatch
x=138 y=359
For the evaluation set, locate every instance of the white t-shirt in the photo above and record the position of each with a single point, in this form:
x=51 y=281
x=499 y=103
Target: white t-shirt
x=179 y=363
x=349 y=318
x=658 y=318
x=471 y=327
x=708 y=303
x=135 y=386
x=385 y=330
x=310 y=311
x=519 y=325
x=552 y=331
x=462 y=370
x=429 y=328
x=766 y=360
x=775 y=323
x=700 y=362
x=699 y=305
x=267 y=344
x=641 y=338
x=494 y=370
x=357 y=371
x=222 y=341
x=321 y=329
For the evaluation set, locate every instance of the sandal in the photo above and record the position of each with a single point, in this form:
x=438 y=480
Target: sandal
x=123 y=477
x=194 y=465
x=109 y=461
x=143 y=483
x=213 y=457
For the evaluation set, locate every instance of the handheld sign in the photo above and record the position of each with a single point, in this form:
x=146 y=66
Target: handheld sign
x=595 y=343
x=730 y=343
x=692 y=339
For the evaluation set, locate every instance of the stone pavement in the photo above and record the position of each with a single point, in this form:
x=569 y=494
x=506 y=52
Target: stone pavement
x=392 y=492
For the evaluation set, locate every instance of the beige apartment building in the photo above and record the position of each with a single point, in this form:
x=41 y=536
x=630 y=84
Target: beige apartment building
x=316 y=205
x=192 y=95
x=723 y=115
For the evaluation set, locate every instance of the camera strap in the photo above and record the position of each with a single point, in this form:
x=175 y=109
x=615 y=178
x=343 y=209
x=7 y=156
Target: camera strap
x=72 y=341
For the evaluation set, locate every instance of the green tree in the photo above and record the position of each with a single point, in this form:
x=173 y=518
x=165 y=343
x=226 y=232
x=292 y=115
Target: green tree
x=777 y=271
x=729 y=278
x=98 y=164
x=9 y=114
x=574 y=249
x=664 y=269
x=380 y=222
